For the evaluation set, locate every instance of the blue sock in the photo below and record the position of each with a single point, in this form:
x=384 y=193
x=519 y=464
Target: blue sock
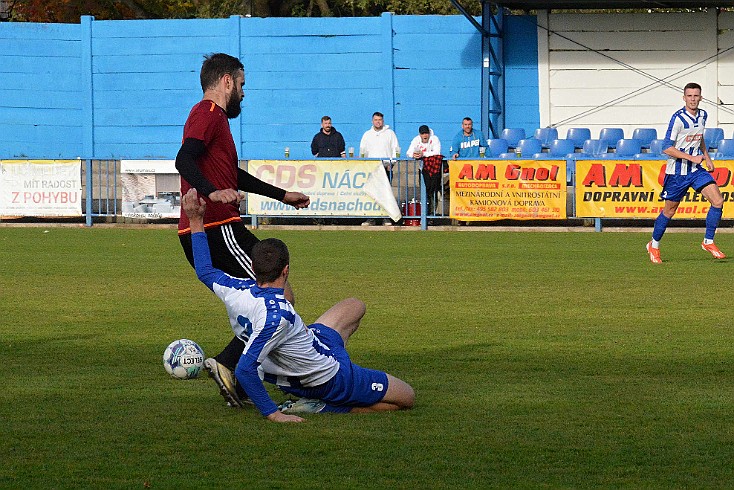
x=661 y=223
x=712 y=222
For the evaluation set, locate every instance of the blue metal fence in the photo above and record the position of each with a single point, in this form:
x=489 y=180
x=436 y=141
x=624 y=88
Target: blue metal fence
x=103 y=194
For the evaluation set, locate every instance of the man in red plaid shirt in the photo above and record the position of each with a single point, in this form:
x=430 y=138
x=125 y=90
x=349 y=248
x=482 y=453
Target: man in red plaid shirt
x=427 y=148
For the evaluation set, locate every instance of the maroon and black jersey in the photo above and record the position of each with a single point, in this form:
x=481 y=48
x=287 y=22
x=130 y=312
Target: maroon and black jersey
x=219 y=164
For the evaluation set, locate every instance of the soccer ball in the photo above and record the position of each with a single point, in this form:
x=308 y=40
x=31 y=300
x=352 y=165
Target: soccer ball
x=183 y=359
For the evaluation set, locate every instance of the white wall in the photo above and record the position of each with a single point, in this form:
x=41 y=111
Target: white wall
x=628 y=70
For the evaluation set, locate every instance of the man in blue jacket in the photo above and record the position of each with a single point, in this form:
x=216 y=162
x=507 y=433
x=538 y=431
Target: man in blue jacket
x=466 y=143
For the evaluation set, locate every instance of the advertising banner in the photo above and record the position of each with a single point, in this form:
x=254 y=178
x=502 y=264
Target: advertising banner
x=485 y=190
x=631 y=189
x=40 y=188
x=336 y=188
x=151 y=189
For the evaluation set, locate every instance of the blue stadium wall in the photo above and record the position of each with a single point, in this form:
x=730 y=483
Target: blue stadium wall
x=122 y=89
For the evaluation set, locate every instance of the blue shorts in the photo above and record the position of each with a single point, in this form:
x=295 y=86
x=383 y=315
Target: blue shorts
x=353 y=385
x=675 y=187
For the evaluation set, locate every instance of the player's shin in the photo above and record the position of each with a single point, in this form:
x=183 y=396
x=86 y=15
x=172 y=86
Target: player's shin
x=661 y=223
x=713 y=217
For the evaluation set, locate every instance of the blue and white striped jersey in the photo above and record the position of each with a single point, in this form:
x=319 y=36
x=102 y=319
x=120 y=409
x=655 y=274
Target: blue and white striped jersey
x=279 y=346
x=686 y=134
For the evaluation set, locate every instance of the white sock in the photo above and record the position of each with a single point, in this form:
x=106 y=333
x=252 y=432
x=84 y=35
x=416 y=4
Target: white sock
x=655 y=243
x=706 y=241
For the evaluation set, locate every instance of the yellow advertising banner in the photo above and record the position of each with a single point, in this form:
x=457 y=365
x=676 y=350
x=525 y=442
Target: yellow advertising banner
x=631 y=189
x=485 y=190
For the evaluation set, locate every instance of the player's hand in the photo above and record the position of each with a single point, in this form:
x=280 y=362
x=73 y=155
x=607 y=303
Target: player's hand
x=297 y=199
x=193 y=205
x=709 y=164
x=279 y=416
x=226 y=196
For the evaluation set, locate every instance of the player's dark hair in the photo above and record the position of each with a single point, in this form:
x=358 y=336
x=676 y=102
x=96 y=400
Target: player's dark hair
x=325 y=118
x=378 y=114
x=692 y=85
x=215 y=66
x=269 y=258
x=468 y=119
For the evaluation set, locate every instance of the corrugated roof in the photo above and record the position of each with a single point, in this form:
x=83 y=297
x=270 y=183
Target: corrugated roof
x=610 y=4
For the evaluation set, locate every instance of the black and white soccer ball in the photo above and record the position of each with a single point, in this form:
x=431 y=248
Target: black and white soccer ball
x=183 y=359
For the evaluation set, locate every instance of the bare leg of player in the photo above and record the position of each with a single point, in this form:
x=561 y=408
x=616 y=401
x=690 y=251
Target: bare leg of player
x=344 y=317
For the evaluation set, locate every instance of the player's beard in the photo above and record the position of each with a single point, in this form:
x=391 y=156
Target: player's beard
x=233 y=108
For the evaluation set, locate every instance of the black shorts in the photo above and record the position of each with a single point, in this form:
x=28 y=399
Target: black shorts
x=230 y=246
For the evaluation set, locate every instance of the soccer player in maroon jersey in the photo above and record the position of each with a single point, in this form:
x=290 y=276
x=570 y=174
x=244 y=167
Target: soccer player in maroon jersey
x=208 y=162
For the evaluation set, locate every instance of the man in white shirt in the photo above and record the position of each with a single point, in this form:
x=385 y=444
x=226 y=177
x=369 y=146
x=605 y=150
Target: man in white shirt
x=380 y=142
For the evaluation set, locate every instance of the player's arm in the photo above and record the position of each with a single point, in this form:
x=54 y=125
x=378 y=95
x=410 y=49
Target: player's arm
x=674 y=152
x=249 y=183
x=194 y=207
x=191 y=150
x=248 y=378
x=706 y=157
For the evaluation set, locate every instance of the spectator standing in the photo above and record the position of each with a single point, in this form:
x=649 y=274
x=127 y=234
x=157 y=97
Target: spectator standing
x=379 y=142
x=426 y=147
x=466 y=143
x=328 y=143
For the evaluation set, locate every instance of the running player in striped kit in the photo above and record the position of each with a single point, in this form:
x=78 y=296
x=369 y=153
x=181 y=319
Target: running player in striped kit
x=684 y=170
x=208 y=162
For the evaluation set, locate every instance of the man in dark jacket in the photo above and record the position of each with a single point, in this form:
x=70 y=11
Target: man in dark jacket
x=328 y=143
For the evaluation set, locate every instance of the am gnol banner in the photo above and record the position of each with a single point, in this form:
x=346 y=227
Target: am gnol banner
x=40 y=188
x=486 y=190
x=631 y=189
x=336 y=188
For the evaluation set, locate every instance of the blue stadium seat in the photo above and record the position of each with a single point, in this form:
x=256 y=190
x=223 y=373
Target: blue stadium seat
x=561 y=148
x=594 y=148
x=512 y=136
x=658 y=145
x=497 y=146
x=611 y=136
x=528 y=147
x=546 y=135
x=645 y=135
x=508 y=155
x=656 y=150
x=578 y=136
x=712 y=136
x=626 y=148
x=725 y=149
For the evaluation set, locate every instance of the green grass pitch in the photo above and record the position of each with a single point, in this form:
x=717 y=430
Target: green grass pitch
x=560 y=360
